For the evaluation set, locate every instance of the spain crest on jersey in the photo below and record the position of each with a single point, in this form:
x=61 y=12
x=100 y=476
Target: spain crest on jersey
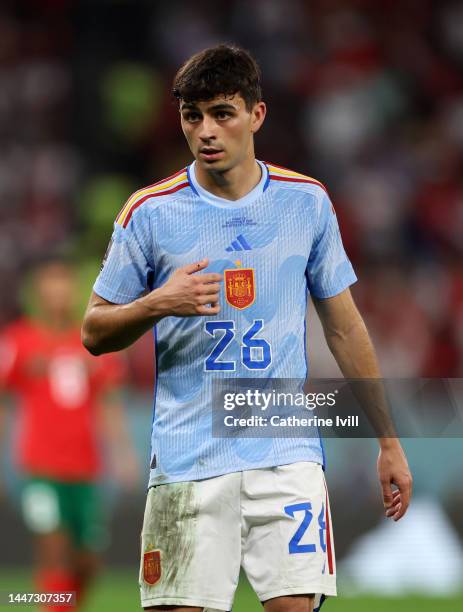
x=240 y=291
x=152 y=566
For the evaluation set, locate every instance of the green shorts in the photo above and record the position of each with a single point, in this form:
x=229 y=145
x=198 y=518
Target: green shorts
x=75 y=507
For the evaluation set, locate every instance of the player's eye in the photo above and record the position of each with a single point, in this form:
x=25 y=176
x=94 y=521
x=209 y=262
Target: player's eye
x=222 y=115
x=192 y=117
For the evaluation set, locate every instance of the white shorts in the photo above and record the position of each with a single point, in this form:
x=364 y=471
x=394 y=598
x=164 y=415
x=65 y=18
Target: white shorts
x=275 y=523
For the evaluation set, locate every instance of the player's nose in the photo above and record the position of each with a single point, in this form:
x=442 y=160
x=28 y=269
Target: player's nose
x=207 y=131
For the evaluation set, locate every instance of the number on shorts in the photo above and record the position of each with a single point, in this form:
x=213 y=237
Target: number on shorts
x=294 y=546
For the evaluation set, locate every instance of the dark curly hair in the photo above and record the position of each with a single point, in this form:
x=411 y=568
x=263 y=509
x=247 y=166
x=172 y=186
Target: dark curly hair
x=221 y=70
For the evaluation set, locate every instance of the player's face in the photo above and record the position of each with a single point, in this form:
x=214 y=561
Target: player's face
x=55 y=290
x=220 y=131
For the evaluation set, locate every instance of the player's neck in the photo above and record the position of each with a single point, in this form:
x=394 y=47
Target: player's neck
x=232 y=184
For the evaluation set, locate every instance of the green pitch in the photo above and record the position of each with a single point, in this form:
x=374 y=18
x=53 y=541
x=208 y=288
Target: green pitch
x=117 y=591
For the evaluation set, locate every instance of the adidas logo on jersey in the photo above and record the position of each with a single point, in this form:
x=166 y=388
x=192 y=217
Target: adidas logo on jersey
x=240 y=244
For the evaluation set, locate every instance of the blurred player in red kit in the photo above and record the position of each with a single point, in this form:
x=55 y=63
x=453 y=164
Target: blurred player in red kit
x=66 y=403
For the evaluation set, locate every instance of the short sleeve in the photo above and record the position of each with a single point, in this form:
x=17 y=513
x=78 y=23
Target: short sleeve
x=128 y=264
x=329 y=270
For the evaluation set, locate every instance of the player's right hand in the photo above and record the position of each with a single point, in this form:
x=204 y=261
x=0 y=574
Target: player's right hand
x=188 y=293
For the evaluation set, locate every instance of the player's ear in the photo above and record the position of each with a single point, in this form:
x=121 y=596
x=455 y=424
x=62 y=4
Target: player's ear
x=258 y=113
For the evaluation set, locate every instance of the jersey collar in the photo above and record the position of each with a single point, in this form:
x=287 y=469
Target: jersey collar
x=210 y=198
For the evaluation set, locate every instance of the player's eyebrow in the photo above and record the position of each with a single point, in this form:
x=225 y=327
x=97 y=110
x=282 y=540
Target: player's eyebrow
x=215 y=107
x=222 y=106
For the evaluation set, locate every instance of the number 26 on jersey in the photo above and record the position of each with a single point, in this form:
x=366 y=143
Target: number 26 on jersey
x=255 y=352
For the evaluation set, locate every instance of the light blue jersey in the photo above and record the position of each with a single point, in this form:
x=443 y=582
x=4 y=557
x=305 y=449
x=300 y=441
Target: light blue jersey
x=275 y=246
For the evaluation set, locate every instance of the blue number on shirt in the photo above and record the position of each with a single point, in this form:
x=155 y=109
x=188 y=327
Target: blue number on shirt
x=322 y=525
x=256 y=353
x=252 y=345
x=212 y=362
x=294 y=546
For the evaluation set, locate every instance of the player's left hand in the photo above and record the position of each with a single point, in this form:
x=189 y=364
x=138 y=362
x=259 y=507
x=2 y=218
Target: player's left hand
x=393 y=470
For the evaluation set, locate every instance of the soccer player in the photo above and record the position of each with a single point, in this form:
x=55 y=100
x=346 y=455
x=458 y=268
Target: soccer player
x=220 y=259
x=66 y=402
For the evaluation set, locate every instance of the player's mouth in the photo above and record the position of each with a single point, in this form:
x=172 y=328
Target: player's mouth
x=211 y=154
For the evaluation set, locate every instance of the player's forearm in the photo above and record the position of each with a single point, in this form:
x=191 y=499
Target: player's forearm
x=353 y=350
x=110 y=327
x=356 y=357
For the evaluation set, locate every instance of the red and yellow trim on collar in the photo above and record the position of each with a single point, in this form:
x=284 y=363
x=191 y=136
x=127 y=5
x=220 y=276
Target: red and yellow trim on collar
x=171 y=184
x=278 y=173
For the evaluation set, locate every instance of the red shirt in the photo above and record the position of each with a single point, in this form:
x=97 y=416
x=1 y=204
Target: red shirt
x=58 y=385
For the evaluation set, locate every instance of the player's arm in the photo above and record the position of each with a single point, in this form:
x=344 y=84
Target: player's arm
x=111 y=327
x=350 y=343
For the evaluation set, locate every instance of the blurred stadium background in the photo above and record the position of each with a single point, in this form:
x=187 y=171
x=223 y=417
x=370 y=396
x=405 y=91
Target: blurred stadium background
x=367 y=96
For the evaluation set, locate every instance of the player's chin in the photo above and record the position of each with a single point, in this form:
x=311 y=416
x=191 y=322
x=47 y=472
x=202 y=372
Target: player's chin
x=217 y=165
